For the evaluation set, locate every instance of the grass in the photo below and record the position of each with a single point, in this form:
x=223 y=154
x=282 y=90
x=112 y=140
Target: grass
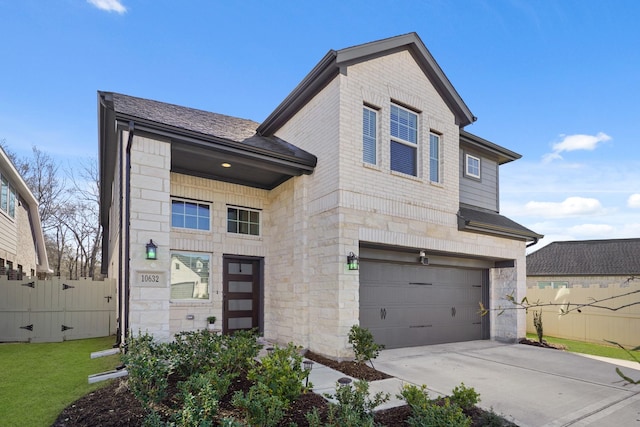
x=37 y=381
x=603 y=350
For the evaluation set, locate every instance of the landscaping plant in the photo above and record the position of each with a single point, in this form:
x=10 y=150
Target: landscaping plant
x=364 y=346
x=354 y=407
x=281 y=371
x=537 y=323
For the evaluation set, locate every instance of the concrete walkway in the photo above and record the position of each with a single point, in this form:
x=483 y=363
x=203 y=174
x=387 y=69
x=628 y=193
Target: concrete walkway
x=531 y=386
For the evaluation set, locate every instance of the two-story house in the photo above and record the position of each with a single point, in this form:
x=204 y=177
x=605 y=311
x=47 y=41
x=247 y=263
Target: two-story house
x=22 y=247
x=359 y=200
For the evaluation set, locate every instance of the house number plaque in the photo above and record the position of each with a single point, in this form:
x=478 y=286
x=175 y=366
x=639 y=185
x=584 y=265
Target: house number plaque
x=153 y=279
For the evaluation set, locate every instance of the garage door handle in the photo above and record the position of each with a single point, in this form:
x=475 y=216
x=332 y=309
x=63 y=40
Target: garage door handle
x=383 y=313
x=453 y=312
x=421 y=283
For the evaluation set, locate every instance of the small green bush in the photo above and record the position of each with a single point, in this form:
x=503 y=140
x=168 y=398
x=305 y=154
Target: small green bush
x=416 y=397
x=259 y=406
x=364 y=346
x=465 y=397
x=200 y=395
x=354 y=407
x=439 y=415
x=195 y=352
x=149 y=366
x=281 y=371
x=239 y=352
x=537 y=323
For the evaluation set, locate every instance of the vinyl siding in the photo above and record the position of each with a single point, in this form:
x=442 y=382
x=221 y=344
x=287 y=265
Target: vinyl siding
x=483 y=192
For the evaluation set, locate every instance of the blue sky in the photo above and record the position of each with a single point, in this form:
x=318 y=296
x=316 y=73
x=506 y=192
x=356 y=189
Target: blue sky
x=556 y=81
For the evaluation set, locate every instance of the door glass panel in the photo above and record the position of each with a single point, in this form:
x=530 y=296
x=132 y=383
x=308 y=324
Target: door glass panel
x=240 y=304
x=240 y=268
x=240 y=323
x=240 y=286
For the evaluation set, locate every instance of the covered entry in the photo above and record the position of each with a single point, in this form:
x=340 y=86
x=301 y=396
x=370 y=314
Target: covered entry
x=410 y=304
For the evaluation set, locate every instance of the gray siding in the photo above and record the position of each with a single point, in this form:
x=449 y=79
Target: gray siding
x=482 y=193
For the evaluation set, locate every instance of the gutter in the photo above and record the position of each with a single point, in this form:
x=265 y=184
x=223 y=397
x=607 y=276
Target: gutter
x=126 y=284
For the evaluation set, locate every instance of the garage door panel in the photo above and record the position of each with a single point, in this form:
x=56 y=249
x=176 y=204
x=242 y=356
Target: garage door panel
x=409 y=305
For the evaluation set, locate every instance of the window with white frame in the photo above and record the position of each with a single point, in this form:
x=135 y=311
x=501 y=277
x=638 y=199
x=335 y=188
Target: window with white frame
x=8 y=196
x=404 y=140
x=243 y=221
x=434 y=157
x=190 y=276
x=472 y=166
x=369 y=135
x=553 y=285
x=188 y=214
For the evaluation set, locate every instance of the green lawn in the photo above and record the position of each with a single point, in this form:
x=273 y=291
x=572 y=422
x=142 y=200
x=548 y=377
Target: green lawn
x=603 y=350
x=37 y=381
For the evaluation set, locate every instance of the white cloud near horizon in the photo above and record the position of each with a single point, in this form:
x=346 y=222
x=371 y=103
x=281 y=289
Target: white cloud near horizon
x=574 y=143
x=571 y=206
x=634 y=201
x=109 y=5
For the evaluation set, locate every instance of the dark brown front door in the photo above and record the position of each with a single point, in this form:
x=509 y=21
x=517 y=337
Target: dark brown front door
x=241 y=287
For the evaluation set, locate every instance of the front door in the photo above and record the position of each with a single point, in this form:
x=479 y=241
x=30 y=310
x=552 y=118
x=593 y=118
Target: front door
x=241 y=294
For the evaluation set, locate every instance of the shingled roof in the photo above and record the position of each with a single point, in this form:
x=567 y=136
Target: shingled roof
x=493 y=223
x=206 y=124
x=586 y=258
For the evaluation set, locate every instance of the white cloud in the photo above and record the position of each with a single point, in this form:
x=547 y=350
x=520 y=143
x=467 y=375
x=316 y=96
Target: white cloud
x=571 y=206
x=574 y=143
x=634 y=201
x=109 y=5
x=591 y=230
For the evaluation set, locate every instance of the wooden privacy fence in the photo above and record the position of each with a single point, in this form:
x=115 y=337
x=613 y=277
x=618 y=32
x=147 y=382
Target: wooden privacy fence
x=591 y=324
x=56 y=309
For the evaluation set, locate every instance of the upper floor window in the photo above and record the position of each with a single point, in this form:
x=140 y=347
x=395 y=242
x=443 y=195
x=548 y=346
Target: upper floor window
x=191 y=215
x=189 y=276
x=434 y=157
x=8 y=197
x=243 y=221
x=369 y=135
x=404 y=140
x=472 y=166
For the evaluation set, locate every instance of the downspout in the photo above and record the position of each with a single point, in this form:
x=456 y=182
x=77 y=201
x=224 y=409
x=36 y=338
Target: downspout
x=127 y=232
x=535 y=240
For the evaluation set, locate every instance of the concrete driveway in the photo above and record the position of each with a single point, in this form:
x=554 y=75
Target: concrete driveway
x=530 y=386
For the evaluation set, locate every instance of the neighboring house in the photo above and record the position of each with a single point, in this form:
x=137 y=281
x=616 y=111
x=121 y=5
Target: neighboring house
x=580 y=272
x=22 y=248
x=366 y=156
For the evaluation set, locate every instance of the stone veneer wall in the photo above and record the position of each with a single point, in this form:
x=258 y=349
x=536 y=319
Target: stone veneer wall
x=150 y=211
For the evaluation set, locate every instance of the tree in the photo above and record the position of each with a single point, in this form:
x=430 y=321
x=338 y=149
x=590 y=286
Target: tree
x=69 y=213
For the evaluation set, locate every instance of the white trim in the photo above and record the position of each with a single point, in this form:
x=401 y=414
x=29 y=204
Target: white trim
x=467 y=157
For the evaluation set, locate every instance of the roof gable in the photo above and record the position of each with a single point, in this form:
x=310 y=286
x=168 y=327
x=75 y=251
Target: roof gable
x=586 y=258
x=334 y=61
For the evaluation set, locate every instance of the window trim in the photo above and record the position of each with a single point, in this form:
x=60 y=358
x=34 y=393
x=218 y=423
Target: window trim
x=467 y=173
x=438 y=159
x=397 y=139
x=249 y=223
x=209 y=205
x=375 y=137
x=209 y=282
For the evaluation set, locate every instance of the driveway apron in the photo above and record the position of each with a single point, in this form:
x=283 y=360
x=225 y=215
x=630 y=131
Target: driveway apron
x=531 y=386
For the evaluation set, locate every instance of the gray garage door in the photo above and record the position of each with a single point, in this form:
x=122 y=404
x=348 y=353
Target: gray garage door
x=407 y=305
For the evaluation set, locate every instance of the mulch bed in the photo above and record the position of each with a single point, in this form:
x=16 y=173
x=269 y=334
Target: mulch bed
x=543 y=344
x=115 y=406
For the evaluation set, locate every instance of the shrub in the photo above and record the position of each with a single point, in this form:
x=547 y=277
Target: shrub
x=415 y=396
x=354 y=407
x=364 y=346
x=195 y=352
x=445 y=414
x=200 y=395
x=281 y=371
x=259 y=406
x=238 y=352
x=465 y=397
x=148 y=364
x=537 y=323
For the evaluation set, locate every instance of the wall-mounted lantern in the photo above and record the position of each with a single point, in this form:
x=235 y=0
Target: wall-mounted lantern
x=151 y=250
x=423 y=258
x=353 y=261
